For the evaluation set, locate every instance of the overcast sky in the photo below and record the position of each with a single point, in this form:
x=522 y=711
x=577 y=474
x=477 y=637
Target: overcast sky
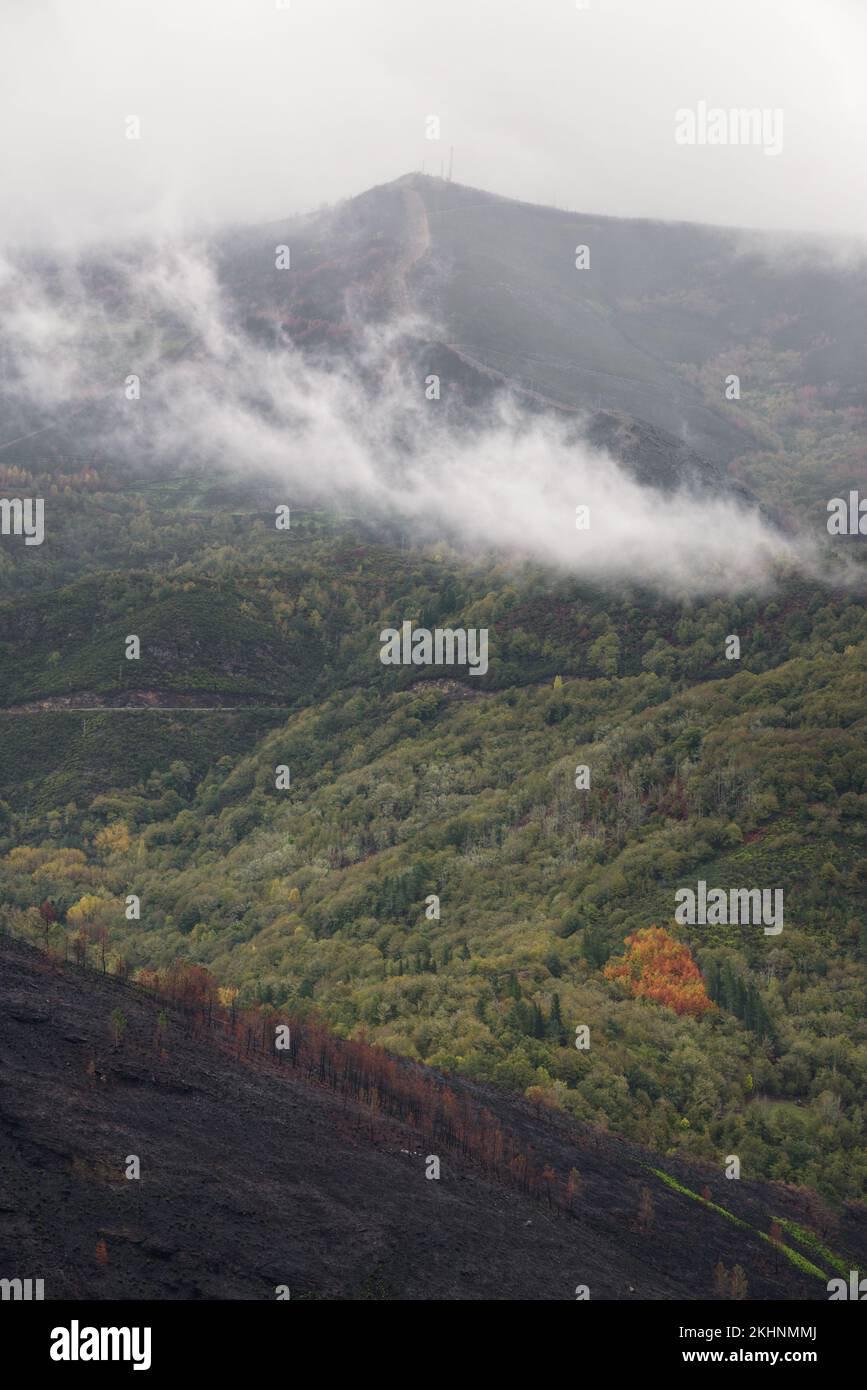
x=250 y=111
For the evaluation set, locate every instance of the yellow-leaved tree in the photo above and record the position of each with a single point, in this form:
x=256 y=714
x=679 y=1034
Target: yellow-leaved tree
x=114 y=839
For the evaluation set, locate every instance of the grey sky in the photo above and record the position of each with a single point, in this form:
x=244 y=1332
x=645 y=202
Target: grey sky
x=250 y=111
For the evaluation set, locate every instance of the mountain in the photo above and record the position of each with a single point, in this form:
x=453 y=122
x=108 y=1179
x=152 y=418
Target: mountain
x=254 y=1177
x=639 y=343
x=635 y=352
x=463 y=870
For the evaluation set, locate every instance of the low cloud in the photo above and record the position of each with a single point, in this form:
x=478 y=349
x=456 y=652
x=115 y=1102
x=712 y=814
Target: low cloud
x=358 y=432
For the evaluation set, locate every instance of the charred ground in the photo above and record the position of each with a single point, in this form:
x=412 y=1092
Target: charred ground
x=253 y=1178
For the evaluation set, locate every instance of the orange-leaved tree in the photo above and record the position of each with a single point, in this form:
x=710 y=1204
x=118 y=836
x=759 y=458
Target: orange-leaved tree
x=657 y=967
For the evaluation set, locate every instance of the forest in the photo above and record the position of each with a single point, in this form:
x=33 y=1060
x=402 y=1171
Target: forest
x=435 y=879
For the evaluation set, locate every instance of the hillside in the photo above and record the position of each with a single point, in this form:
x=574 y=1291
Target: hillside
x=433 y=878
x=158 y=778
x=252 y=1178
x=633 y=352
x=641 y=341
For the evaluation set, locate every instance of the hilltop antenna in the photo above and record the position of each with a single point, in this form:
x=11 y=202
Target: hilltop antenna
x=451 y=160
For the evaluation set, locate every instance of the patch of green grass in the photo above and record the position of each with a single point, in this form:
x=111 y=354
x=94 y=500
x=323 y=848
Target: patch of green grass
x=798 y=1232
x=697 y=1197
x=796 y=1259
x=812 y=1242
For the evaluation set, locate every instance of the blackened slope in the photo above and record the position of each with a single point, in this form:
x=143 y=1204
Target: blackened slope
x=252 y=1179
